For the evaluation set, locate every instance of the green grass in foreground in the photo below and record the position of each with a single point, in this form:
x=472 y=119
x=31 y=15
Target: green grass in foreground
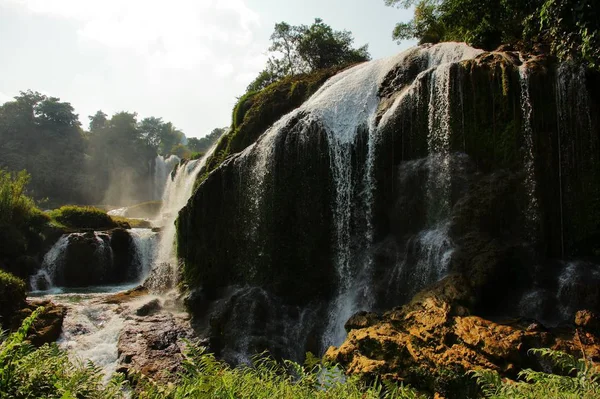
x=47 y=372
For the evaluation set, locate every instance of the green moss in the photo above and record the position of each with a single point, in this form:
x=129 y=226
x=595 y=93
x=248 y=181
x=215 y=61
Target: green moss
x=82 y=217
x=255 y=112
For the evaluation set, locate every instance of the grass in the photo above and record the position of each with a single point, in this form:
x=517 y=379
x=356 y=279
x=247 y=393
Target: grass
x=27 y=372
x=82 y=217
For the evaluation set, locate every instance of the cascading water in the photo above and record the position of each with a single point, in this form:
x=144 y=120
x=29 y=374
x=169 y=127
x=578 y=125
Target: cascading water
x=162 y=168
x=144 y=243
x=346 y=107
x=164 y=274
x=532 y=213
x=44 y=278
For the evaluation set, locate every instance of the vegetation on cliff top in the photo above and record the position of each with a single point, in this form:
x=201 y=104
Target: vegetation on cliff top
x=571 y=28
x=301 y=59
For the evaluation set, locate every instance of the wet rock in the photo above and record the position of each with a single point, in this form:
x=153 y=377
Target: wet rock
x=430 y=345
x=361 y=320
x=126 y=296
x=149 y=308
x=48 y=325
x=153 y=346
x=588 y=320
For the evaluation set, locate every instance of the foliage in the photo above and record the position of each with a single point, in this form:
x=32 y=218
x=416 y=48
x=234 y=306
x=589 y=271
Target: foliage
x=573 y=29
x=484 y=24
x=203 y=144
x=303 y=49
x=579 y=379
x=20 y=220
x=42 y=135
x=206 y=377
x=12 y=296
x=570 y=27
x=47 y=372
x=82 y=217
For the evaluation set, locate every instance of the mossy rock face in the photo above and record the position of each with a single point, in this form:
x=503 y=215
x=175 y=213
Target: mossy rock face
x=255 y=112
x=227 y=234
x=518 y=192
x=97 y=258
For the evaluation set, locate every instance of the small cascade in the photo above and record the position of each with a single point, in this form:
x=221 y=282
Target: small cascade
x=44 y=278
x=144 y=243
x=578 y=288
x=438 y=143
x=162 y=168
x=178 y=191
x=532 y=213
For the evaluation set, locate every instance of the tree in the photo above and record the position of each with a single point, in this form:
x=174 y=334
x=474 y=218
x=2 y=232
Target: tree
x=98 y=121
x=571 y=28
x=204 y=143
x=304 y=49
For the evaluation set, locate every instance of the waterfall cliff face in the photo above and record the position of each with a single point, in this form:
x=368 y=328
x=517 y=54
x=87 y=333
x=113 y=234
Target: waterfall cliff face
x=394 y=173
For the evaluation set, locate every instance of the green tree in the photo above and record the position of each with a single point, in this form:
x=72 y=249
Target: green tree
x=204 y=143
x=303 y=49
x=573 y=29
x=43 y=135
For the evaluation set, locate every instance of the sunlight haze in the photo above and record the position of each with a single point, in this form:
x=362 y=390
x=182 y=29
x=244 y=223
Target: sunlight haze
x=185 y=61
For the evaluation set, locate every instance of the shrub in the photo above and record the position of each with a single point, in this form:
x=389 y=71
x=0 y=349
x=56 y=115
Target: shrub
x=12 y=296
x=82 y=217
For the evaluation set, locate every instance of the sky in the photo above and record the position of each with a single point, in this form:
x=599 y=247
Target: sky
x=183 y=60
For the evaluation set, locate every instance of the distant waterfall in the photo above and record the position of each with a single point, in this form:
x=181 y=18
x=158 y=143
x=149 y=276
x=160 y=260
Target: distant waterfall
x=177 y=192
x=162 y=168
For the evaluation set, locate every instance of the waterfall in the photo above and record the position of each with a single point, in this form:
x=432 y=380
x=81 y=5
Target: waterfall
x=346 y=107
x=162 y=168
x=44 y=278
x=144 y=243
x=178 y=191
x=532 y=213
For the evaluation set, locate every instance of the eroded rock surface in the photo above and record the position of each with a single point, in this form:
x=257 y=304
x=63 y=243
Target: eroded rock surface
x=433 y=341
x=153 y=344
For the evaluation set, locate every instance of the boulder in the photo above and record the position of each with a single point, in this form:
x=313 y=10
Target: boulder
x=432 y=342
x=47 y=327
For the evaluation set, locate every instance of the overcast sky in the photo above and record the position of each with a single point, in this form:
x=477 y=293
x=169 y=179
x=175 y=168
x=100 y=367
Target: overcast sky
x=183 y=60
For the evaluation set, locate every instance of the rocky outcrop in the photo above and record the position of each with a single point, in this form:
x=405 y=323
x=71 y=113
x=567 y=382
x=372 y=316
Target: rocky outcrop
x=47 y=327
x=394 y=174
x=434 y=340
x=94 y=258
x=152 y=343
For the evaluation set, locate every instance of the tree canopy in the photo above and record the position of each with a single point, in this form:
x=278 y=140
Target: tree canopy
x=297 y=49
x=110 y=162
x=569 y=27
